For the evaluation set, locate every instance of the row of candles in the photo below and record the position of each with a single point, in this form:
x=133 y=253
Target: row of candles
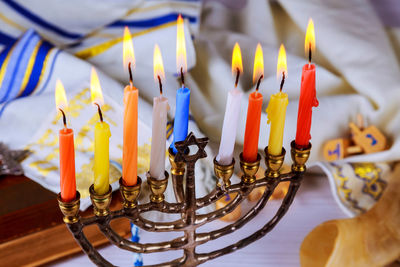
x=276 y=111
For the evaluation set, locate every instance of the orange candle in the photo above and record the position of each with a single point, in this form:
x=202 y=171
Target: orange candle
x=67 y=151
x=252 y=133
x=129 y=157
x=131 y=93
x=67 y=165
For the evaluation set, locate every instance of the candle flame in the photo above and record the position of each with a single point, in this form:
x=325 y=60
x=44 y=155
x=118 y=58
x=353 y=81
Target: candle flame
x=180 y=46
x=158 y=65
x=61 y=98
x=258 y=69
x=310 y=38
x=95 y=89
x=128 y=53
x=236 y=60
x=281 y=66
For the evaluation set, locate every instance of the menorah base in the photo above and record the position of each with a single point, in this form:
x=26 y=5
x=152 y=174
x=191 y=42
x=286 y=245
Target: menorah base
x=187 y=206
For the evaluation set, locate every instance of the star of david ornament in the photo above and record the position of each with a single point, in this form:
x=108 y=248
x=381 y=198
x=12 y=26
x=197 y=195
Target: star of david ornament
x=10 y=160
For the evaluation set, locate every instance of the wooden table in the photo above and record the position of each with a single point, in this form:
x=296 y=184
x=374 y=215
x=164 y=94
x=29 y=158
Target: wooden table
x=32 y=231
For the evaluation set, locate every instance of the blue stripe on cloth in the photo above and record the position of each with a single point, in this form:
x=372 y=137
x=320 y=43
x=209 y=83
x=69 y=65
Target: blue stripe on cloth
x=4 y=54
x=50 y=73
x=14 y=60
x=6 y=39
x=12 y=84
x=38 y=20
x=2 y=107
x=153 y=21
x=37 y=68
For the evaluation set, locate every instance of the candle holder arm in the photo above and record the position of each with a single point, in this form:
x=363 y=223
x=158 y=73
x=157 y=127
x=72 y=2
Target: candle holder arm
x=287 y=201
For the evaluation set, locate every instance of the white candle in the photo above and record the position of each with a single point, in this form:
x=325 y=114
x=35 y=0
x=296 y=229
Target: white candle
x=227 y=144
x=158 y=137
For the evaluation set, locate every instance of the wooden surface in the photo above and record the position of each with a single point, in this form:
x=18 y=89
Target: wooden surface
x=32 y=231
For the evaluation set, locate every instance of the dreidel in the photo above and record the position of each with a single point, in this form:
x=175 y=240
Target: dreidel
x=340 y=148
x=370 y=139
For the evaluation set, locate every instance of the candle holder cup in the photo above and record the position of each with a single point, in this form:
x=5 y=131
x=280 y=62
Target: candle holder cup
x=187 y=205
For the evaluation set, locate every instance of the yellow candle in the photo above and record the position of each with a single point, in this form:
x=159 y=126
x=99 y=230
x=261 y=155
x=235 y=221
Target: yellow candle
x=101 y=140
x=276 y=117
x=277 y=108
x=101 y=157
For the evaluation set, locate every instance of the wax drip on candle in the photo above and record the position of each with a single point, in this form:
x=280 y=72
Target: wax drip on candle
x=282 y=82
x=64 y=118
x=130 y=74
x=99 y=111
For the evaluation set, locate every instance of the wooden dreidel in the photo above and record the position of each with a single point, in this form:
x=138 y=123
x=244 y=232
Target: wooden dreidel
x=370 y=139
x=222 y=202
x=340 y=148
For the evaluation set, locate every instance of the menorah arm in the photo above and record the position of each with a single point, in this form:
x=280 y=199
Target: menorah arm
x=117 y=240
x=77 y=231
x=287 y=201
x=177 y=225
x=205 y=237
x=164 y=206
x=218 y=192
x=219 y=213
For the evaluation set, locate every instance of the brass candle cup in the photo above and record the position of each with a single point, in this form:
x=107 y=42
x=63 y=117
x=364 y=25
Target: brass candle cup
x=249 y=169
x=101 y=203
x=299 y=157
x=70 y=210
x=157 y=187
x=274 y=163
x=130 y=193
x=224 y=173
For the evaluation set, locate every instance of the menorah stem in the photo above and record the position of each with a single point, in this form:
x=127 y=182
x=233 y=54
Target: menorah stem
x=190 y=215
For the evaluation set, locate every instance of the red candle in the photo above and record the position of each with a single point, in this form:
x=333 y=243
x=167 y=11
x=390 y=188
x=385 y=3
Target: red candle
x=67 y=151
x=252 y=132
x=308 y=97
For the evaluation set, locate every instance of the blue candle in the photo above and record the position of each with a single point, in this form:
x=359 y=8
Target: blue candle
x=181 y=116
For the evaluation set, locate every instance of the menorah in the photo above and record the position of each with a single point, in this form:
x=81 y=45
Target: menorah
x=187 y=204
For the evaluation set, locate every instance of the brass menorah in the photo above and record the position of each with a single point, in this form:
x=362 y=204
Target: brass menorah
x=187 y=205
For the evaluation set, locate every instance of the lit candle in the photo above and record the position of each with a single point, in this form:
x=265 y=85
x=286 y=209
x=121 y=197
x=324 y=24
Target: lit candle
x=181 y=120
x=277 y=109
x=308 y=97
x=160 y=110
x=131 y=93
x=67 y=151
x=101 y=140
x=231 y=117
x=251 y=135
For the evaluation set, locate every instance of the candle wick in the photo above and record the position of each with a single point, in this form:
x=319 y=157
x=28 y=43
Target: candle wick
x=237 y=77
x=309 y=53
x=258 y=82
x=64 y=118
x=99 y=111
x=282 y=82
x=182 y=78
x=130 y=74
x=160 y=84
